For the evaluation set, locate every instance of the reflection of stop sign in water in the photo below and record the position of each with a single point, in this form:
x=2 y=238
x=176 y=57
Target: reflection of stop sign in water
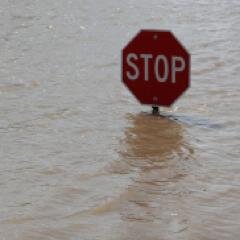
x=155 y=67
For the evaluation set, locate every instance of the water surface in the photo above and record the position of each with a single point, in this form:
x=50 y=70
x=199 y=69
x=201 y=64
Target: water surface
x=82 y=159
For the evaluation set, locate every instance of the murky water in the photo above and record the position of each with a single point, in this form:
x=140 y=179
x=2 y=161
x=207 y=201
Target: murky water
x=81 y=159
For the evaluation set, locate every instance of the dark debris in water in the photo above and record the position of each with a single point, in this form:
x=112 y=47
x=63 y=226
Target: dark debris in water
x=193 y=121
x=198 y=122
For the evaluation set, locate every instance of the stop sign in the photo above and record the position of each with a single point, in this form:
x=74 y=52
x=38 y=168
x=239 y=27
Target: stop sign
x=156 y=67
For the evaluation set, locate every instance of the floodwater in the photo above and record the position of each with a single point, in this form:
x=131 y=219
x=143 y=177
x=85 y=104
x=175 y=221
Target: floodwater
x=80 y=158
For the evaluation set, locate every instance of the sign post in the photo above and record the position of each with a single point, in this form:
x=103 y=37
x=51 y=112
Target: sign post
x=156 y=68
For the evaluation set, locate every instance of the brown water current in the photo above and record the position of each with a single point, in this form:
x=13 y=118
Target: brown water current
x=80 y=158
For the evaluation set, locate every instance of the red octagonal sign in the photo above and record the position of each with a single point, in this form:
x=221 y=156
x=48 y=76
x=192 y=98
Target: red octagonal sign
x=156 y=67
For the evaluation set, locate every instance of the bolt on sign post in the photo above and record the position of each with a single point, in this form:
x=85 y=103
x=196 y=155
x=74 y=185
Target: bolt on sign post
x=156 y=67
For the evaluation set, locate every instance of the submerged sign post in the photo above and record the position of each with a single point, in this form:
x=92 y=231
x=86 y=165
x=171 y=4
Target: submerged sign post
x=156 y=67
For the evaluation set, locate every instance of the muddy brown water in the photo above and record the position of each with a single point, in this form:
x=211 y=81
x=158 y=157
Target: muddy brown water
x=82 y=159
